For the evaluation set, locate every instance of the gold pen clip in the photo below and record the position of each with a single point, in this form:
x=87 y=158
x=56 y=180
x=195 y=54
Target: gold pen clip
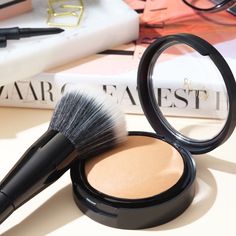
x=65 y=13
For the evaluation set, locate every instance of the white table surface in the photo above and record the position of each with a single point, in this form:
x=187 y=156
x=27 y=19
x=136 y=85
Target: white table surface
x=53 y=212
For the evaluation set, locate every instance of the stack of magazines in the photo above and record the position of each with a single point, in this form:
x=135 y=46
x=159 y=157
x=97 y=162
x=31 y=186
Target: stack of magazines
x=114 y=70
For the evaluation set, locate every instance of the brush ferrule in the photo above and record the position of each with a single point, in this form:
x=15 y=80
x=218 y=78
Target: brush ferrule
x=41 y=165
x=6 y=207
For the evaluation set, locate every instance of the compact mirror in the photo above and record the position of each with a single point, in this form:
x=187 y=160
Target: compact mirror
x=187 y=92
x=188 y=86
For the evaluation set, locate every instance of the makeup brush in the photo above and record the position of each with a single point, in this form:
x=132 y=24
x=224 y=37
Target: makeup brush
x=84 y=123
x=18 y=33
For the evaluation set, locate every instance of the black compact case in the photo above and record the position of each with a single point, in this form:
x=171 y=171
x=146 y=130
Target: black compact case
x=161 y=208
x=140 y=213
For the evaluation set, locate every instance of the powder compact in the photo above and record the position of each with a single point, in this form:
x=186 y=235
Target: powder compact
x=150 y=179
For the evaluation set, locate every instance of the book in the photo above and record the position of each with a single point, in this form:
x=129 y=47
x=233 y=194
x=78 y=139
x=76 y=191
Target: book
x=12 y=8
x=115 y=71
x=178 y=92
x=103 y=25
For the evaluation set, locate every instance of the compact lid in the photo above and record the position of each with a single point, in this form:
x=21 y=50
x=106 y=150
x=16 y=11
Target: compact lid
x=180 y=78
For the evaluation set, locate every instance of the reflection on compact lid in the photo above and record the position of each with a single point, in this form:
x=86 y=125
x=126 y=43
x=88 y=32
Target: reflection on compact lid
x=195 y=75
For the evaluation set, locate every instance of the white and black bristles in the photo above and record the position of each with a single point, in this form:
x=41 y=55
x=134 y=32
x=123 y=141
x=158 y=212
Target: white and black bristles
x=90 y=120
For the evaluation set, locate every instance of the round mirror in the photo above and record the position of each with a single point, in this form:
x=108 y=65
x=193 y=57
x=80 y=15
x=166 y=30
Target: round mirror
x=187 y=92
x=190 y=91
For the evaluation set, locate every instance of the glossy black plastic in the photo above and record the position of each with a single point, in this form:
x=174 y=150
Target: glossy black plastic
x=159 y=209
x=3 y=41
x=151 y=109
x=41 y=165
x=140 y=213
x=17 y=33
x=219 y=6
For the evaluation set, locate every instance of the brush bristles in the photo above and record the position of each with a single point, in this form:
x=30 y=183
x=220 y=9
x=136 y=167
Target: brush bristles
x=90 y=120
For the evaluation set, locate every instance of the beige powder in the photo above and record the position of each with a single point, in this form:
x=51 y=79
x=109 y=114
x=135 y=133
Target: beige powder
x=141 y=167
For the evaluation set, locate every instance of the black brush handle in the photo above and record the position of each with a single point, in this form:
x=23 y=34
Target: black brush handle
x=10 y=33
x=17 y=33
x=3 y=41
x=41 y=165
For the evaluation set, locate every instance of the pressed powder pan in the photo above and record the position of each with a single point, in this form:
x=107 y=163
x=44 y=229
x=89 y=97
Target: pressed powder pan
x=150 y=179
x=142 y=167
x=130 y=207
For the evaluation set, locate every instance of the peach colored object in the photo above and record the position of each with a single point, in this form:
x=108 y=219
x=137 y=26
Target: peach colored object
x=141 y=167
x=16 y=9
x=164 y=17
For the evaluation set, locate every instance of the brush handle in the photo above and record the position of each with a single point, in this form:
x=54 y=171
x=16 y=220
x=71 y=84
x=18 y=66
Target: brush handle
x=41 y=165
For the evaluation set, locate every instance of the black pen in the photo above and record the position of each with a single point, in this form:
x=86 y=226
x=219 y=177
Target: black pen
x=17 y=33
